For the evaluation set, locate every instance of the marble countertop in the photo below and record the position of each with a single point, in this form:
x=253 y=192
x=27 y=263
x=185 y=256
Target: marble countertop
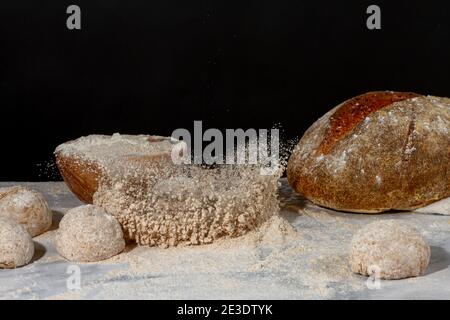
x=311 y=266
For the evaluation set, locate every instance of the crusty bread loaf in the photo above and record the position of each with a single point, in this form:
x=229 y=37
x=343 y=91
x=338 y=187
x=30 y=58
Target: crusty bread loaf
x=376 y=152
x=85 y=161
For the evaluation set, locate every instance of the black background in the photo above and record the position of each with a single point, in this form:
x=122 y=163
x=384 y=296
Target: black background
x=154 y=66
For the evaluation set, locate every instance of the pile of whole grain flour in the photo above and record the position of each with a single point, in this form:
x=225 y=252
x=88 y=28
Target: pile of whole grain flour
x=160 y=203
x=188 y=205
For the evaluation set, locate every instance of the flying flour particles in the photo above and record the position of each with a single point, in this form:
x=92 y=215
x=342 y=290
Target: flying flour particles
x=189 y=205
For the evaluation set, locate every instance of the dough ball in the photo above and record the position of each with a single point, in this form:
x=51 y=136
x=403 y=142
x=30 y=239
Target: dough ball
x=16 y=245
x=87 y=234
x=390 y=247
x=27 y=207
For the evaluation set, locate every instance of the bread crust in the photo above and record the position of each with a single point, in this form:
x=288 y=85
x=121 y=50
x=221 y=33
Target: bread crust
x=355 y=110
x=395 y=157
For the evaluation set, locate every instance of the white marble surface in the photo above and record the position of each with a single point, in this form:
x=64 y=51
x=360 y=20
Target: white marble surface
x=285 y=272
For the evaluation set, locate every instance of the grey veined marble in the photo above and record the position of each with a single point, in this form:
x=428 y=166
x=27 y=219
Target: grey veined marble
x=312 y=264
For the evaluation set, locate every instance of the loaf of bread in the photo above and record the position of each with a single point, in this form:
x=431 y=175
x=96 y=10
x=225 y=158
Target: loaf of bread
x=376 y=152
x=85 y=161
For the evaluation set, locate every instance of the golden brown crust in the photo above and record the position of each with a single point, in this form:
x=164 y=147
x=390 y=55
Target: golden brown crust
x=355 y=110
x=395 y=158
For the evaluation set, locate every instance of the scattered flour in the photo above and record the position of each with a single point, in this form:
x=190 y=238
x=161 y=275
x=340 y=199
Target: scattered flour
x=95 y=147
x=191 y=205
x=275 y=247
x=378 y=180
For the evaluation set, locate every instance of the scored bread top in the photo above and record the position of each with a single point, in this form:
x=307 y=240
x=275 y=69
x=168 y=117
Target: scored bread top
x=353 y=111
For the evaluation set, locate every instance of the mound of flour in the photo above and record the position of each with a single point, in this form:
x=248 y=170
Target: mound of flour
x=190 y=205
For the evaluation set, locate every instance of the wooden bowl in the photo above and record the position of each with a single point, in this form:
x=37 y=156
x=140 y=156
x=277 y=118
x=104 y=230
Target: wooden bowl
x=82 y=161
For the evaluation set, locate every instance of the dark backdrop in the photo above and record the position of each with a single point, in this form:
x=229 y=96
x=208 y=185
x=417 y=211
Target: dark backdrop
x=152 y=66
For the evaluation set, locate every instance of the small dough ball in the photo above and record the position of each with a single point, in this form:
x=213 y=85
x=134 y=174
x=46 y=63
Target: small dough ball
x=27 y=207
x=391 y=248
x=16 y=245
x=88 y=234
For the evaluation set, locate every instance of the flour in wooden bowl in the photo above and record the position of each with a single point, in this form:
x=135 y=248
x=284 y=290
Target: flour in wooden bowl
x=190 y=204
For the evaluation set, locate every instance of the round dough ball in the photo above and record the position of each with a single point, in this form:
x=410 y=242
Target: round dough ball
x=26 y=207
x=16 y=245
x=87 y=234
x=389 y=247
